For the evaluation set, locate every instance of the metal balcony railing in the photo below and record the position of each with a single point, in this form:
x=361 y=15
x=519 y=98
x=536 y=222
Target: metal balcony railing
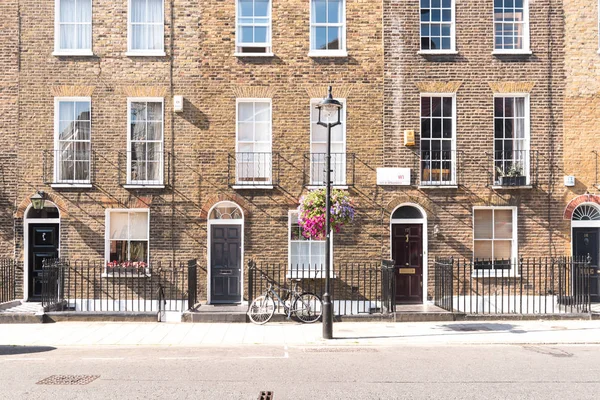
x=514 y=168
x=440 y=167
x=69 y=166
x=342 y=169
x=253 y=169
x=145 y=168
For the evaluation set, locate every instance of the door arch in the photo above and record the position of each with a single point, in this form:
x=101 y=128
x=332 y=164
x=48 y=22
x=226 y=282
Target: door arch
x=225 y=253
x=41 y=240
x=585 y=240
x=411 y=280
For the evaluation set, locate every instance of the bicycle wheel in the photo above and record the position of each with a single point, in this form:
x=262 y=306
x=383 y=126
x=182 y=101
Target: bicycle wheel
x=307 y=307
x=261 y=310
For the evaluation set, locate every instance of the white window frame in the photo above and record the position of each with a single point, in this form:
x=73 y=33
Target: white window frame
x=452 y=49
x=527 y=139
x=526 y=41
x=268 y=45
x=130 y=182
x=239 y=184
x=513 y=271
x=342 y=52
x=313 y=184
x=453 y=182
x=310 y=272
x=71 y=52
x=143 y=53
x=56 y=183
x=107 y=238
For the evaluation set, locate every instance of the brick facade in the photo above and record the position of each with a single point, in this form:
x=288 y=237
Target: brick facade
x=200 y=66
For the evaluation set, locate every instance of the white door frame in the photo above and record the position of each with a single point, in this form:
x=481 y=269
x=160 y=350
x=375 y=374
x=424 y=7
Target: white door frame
x=211 y=222
x=415 y=221
x=26 y=223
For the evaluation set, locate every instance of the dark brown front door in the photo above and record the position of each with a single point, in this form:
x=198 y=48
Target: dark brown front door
x=226 y=264
x=43 y=243
x=407 y=252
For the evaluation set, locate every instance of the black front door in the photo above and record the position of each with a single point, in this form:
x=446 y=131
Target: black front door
x=226 y=264
x=585 y=242
x=407 y=252
x=43 y=243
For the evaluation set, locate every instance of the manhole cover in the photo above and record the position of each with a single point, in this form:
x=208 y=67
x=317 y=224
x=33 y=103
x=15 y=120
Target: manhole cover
x=68 y=380
x=339 y=350
x=264 y=395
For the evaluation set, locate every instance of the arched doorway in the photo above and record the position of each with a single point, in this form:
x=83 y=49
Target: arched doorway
x=408 y=244
x=41 y=240
x=225 y=253
x=585 y=240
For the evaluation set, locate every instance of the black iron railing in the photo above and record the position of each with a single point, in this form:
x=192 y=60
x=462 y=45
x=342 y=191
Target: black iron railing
x=357 y=288
x=523 y=286
x=89 y=286
x=514 y=168
x=253 y=169
x=69 y=166
x=145 y=168
x=342 y=167
x=440 y=167
x=7 y=280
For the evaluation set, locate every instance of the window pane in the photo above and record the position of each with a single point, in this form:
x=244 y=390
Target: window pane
x=263 y=132
x=263 y=111
x=245 y=111
x=483 y=249
x=138 y=37
x=333 y=38
x=502 y=250
x=320 y=42
x=260 y=34
x=84 y=11
x=261 y=8
x=66 y=110
x=154 y=111
x=118 y=250
x=483 y=224
x=82 y=171
x=155 y=11
x=138 y=11
x=334 y=12
x=154 y=130
x=118 y=225
x=246 y=8
x=138 y=251
x=139 y=225
x=503 y=228
x=319 y=11
x=247 y=34
x=67 y=11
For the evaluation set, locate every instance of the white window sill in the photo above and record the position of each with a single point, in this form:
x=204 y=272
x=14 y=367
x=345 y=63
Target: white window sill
x=433 y=186
x=253 y=54
x=67 y=53
x=315 y=187
x=340 y=53
x=145 y=54
x=142 y=186
x=511 y=187
x=125 y=275
x=309 y=275
x=437 y=52
x=491 y=274
x=252 y=186
x=71 y=185
x=511 y=52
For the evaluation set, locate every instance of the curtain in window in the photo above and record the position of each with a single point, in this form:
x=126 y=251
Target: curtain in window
x=147 y=24
x=75 y=28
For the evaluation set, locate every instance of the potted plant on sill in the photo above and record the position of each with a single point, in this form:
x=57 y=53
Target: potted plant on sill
x=126 y=267
x=512 y=176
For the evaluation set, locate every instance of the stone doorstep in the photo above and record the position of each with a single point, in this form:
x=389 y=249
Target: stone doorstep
x=100 y=316
x=21 y=318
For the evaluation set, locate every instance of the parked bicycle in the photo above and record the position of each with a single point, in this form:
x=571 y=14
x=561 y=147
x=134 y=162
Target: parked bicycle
x=306 y=306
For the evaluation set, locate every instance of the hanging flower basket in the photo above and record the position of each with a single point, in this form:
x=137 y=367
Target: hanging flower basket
x=311 y=212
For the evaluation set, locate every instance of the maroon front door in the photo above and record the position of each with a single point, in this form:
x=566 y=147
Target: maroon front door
x=407 y=252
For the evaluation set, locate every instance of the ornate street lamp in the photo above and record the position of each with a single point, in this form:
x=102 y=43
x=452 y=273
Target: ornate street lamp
x=328 y=108
x=37 y=200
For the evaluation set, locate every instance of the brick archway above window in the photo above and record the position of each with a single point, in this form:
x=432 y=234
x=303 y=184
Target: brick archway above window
x=406 y=199
x=584 y=198
x=60 y=203
x=217 y=198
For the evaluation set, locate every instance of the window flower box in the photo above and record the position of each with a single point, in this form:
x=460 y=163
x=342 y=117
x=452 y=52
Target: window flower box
x=513 y=180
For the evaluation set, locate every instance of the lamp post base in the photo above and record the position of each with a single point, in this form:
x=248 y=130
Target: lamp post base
x=327 y=317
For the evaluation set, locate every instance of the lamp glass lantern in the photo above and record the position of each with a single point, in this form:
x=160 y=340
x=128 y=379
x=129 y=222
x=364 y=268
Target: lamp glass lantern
x=328 y=107
x=37 y=201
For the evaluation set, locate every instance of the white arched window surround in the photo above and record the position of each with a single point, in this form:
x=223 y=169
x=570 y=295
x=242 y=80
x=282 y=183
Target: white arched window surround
x=422 y=221
x=591 y=210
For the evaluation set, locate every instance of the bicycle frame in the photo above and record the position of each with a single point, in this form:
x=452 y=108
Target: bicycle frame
x=293 y=296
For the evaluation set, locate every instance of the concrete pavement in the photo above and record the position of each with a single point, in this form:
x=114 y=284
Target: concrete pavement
x=346 y=333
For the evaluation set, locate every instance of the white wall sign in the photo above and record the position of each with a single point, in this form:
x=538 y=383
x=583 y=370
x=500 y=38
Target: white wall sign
x=393 y=176
x=569 y=180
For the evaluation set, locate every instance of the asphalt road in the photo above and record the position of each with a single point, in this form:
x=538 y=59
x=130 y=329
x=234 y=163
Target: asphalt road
x=308 y=372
